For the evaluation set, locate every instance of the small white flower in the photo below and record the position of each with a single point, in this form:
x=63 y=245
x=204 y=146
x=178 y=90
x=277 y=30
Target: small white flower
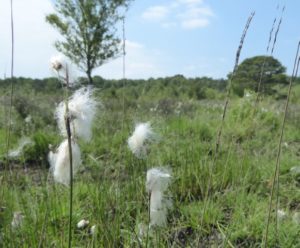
x=17 y=220
x=137 y=142
x=82 y=224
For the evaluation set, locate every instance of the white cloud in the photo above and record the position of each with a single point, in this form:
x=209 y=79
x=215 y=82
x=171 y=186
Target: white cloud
x=197 y=12
x=140 y=62
x=188 y=14
x=194 y=23
x=155 y=13
x=33 y=38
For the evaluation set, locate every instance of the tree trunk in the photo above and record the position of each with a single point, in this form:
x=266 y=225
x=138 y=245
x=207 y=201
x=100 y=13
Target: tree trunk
x=89 y=75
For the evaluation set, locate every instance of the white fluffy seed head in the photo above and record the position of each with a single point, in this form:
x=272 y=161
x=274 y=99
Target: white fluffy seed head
x=17 y=220
x=159 y=207
x=158 y=179
x=25 y=141
x=82 y=224
x=82 y=110
x=157 y=183
x=60 y=162
x=281 y=214
x=137 y=142
x=57 y=62
x=93 y=229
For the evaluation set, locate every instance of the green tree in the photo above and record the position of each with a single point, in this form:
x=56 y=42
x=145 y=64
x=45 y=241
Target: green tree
x=88 y=29
x=249 y=72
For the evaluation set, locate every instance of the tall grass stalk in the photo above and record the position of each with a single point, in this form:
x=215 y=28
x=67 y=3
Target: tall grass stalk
x=123 y=68
x=69 y=135
x=8 y=133
x=149 y=219
x=219 y=133
x=8 y=127
x=277 y=30
x=277 y=165
x=237 y=58
x=65 y=83
x=271 y=53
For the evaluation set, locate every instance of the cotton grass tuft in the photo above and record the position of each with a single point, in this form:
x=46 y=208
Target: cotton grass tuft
x=82 y=224
x=82 y=110
x=60 y=162
x=137 y=142
x=157 y=183
x=282 y=215
x=17 y=220
x=57 y=62
x=25 y=141
x=93 y=230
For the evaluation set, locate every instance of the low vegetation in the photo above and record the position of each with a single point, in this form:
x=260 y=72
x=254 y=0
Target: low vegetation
x=221 y=205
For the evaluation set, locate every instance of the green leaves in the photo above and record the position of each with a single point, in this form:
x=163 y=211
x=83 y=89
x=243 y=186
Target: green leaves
x=251 y=71
x=88 y=29
x=55 y=21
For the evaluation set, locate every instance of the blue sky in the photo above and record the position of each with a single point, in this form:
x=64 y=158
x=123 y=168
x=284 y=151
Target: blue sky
x=164 y=37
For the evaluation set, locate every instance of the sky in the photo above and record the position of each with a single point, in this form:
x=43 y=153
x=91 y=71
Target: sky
x=194 y=38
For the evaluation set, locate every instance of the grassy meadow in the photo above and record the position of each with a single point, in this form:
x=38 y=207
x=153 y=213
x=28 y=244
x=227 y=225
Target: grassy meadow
x=219 y=200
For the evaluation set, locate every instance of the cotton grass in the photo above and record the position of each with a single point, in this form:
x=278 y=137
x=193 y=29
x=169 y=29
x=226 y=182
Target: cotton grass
x=57 y=62
x=82 y=224
x=82 y=110
x=17 y=220
x=25 y=141
x=60 y=162
x=142 y=134
x=157 y=184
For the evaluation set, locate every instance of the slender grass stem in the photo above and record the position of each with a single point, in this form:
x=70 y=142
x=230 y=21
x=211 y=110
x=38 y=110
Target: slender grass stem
x=8 y=133
x=149 y=219
x=277 y=165
x=265 y=59
x=66 y=80
x=69 y=135
x=219 y=133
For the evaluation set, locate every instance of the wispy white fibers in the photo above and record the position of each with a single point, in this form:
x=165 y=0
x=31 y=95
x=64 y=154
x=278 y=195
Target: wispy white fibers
x=60 y=162
x=82 y=224
x=17 y=220
x=82 y=109
x=57 y=62
x=137 y=142
x=25 y=141
x=157 y=183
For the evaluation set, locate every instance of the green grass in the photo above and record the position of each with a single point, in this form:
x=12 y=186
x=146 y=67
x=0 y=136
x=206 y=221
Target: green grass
x=109 y=189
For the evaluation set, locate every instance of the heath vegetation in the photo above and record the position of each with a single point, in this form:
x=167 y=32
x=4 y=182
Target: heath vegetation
x=163 y=162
